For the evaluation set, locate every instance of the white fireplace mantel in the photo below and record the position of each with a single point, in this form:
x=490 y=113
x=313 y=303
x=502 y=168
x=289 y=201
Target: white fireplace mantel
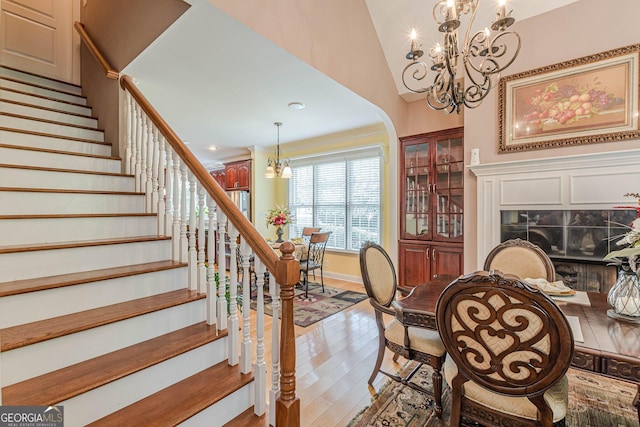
x=586 y=181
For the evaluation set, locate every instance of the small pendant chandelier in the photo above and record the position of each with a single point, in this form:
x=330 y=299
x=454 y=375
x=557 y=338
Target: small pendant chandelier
x=275 y=166
x=484 y=56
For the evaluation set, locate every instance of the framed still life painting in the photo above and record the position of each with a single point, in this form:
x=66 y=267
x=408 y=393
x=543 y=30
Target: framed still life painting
x=586 y=100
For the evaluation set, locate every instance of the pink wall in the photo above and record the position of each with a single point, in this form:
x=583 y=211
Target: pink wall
x=581 y=28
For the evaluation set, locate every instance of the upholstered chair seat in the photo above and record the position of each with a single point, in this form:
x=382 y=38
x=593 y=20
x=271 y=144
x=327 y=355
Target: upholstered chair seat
x=557 y=397
x=423 y=340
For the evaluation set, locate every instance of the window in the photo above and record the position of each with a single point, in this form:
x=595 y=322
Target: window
x=339 y=193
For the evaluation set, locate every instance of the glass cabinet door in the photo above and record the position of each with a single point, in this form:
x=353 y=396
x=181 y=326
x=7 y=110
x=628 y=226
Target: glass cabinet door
x=448 y=189
x=416 y=191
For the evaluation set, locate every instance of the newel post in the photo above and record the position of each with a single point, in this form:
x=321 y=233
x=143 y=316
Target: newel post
x=287 y=274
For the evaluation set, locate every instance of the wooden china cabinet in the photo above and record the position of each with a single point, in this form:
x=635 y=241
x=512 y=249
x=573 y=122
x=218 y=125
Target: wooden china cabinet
x=431 y=206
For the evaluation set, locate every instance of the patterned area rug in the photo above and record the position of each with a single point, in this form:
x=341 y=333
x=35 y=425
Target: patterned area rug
x=317 y=306
x=594 y=401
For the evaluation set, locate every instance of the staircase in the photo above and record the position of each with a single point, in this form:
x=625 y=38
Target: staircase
x=94 y=314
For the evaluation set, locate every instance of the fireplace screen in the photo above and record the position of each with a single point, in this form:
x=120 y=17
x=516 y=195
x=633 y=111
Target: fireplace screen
x=578 y=235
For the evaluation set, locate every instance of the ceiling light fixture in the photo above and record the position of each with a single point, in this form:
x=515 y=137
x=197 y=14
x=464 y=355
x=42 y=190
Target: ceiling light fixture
x=484 y=56
x=275 y=165
x=296 y=105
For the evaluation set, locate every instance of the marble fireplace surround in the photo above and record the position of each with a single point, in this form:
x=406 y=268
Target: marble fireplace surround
x=585 y=181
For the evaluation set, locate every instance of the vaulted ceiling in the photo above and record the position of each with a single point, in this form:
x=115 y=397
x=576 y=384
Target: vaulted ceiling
x=226 y=85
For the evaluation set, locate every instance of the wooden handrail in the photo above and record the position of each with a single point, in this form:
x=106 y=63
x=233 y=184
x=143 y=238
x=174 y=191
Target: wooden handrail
x=108 y=69
x=260 y=247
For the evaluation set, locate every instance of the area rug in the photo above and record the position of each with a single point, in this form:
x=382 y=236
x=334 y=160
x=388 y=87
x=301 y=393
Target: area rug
x=594 y=401
x=317 y=305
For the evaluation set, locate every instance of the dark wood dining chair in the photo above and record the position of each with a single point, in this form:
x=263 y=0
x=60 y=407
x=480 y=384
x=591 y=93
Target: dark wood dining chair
x=522 y=258
x=412 y=343
x=315 y=259
x=508 y=349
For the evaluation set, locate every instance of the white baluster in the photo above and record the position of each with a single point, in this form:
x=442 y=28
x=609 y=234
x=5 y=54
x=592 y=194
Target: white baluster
x=138 y=167
x=274 y=393
x=246 y=353
x=193 y=251
x=234 y=340
x=155 y=165
x=260 y=368
x=211 y=271
x=128 y=156
x=168 y=217
x=162 y=193
x=143 y=158
x=184 y=219
x=148 y=188
x=202 y=271
x=175 y=234
x=222 y=270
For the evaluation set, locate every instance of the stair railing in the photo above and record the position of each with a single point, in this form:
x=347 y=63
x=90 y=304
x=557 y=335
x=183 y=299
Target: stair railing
x=180 y=191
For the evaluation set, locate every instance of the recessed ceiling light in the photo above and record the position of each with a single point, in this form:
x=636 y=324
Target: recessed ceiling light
x=213 y=148
x=186 y=142
x=296 y=105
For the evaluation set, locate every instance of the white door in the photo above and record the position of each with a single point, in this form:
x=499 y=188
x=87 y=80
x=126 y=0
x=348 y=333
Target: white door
x=38 y=36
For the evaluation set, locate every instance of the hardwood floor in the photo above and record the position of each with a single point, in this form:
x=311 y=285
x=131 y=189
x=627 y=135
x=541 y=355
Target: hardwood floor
x=334 y=360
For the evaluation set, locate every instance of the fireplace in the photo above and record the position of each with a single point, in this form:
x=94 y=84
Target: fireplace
x=563 y=204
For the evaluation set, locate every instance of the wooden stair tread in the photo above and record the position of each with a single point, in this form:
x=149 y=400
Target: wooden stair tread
x=39 y=86
x=68 y=191
x=182 y=400
x=54 y=110
x=249 y=419
x=36 y=95
x=78 y=243
x=53 y=135
x=34 y=332
x=17 y=287
x=81 y=215
x=47 y=150
x=53 y=122
x=65 y=383
x=40 y=168
x=40 y=76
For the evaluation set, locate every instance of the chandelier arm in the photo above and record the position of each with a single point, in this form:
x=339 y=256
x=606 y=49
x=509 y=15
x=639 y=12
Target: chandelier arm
x=418 y=74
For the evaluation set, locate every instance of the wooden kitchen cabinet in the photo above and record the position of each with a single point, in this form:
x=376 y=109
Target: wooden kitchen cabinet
x=238 y=175
x=220 y=177
x=431 y=206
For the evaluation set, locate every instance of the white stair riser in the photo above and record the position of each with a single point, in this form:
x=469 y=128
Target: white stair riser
x=33 y=178
x=16 y=156
x=35 y=306
x=42 y=92
x=41 y=81
x=223 y=411
x=52 y=143
x=25 y=110
x=36 y=359
x=82 y=409
x=44 y=102
x=26 y=231
x=31 y=264
x=51 y=128
x=31 y=203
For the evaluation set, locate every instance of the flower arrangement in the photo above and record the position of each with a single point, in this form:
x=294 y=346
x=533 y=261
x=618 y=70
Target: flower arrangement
x=279 y=216
x=631 y=240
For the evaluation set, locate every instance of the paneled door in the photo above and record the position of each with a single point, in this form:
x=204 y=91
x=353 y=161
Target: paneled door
x=38 y=36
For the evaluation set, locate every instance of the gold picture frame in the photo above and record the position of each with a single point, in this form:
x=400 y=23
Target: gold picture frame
x=586 y=100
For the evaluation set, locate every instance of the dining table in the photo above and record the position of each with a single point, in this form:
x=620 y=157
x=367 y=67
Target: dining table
x=301 y=248
x=603 y=345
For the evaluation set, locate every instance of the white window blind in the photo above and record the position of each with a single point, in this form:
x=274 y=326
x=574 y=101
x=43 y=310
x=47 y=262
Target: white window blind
x=341 y=194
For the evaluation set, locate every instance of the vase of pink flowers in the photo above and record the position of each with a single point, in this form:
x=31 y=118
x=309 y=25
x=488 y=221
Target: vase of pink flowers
x=279 y=217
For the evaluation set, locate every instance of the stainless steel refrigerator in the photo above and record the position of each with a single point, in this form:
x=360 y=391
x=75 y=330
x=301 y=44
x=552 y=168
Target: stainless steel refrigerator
x=242 y=200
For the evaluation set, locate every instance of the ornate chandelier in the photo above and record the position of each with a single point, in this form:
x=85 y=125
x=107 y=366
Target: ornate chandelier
x=275 y=165
x=483 y=57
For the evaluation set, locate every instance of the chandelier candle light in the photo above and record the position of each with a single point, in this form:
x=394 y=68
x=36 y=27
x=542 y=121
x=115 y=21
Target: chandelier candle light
x=275 y=165
x=484 y=56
